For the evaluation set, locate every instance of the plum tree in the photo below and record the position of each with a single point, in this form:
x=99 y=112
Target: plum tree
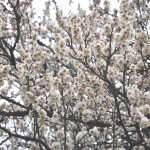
x=79 y=82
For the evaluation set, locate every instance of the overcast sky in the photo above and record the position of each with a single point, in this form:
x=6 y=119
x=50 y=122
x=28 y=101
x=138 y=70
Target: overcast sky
x=64 y=5
x=39 y=5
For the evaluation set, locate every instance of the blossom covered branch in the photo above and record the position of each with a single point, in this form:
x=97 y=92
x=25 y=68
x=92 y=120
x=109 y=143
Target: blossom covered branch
x=80 y=81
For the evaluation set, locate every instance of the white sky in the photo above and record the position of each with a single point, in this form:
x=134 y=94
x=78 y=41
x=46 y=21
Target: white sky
x=39 y=5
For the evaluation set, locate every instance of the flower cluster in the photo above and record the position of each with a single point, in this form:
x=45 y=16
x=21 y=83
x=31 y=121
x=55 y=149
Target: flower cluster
x=79 y=81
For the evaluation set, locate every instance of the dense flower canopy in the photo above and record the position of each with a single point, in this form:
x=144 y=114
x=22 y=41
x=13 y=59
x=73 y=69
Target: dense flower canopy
x=81 y=82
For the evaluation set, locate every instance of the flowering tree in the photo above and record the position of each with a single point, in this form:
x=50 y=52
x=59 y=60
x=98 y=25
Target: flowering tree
x=80 y=82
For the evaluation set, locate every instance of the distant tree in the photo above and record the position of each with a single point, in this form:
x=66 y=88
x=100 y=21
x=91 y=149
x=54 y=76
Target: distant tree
x=80 y=82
